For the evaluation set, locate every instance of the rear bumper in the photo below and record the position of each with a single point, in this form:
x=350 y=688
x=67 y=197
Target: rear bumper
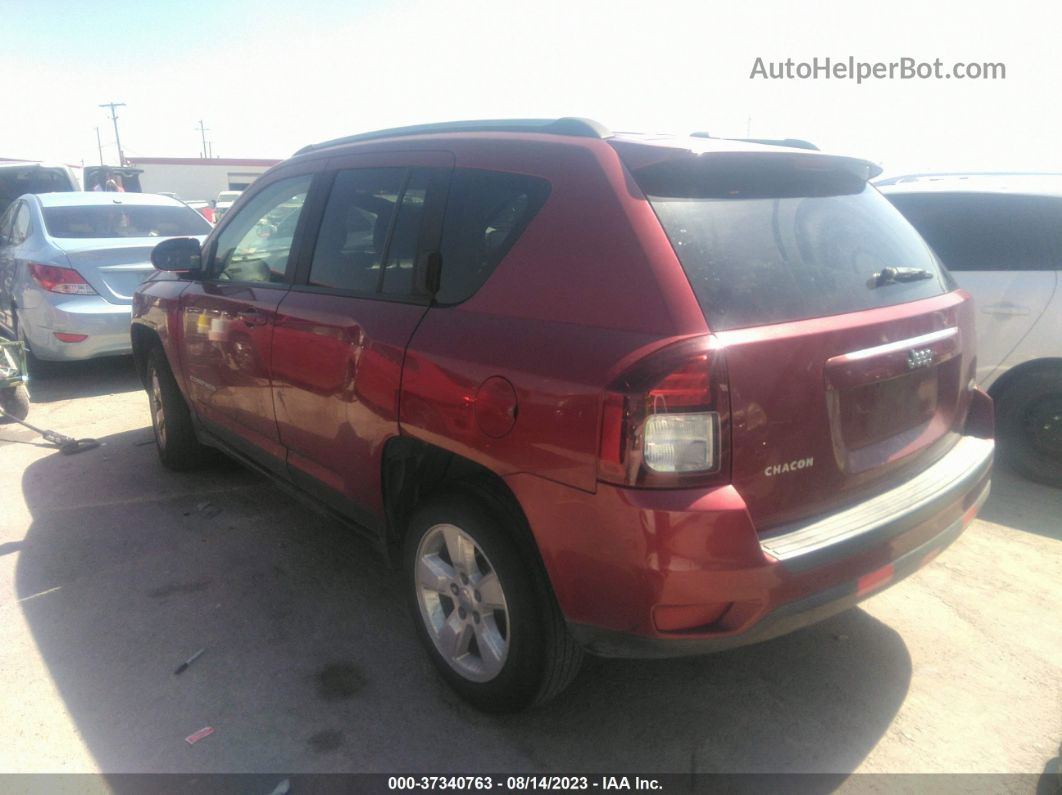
x=105 y=325
x=652 y=574
x=785 y=618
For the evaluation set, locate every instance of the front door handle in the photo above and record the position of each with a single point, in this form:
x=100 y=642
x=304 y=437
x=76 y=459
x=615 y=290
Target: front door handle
x=252 y=317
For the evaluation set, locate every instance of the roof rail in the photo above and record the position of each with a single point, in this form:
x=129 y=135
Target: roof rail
x=942 y=174
x=568 y=125
x=792 y=143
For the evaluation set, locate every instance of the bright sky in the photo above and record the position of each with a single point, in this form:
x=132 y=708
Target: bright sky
x=268 y=76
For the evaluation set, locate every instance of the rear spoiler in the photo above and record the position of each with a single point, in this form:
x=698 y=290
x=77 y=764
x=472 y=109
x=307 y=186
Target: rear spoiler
x=792 y=143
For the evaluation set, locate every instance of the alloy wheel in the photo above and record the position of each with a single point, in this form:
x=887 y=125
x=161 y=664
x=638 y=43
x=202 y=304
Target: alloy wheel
x=158 y=412
x=462 y=602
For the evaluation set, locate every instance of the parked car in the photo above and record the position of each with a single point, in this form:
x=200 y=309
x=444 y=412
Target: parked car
x=224 y=201
x=20 y=177
x=69 y=263
x=202 y=207
x=1001 y=235
x=125 y=177
x=632 y=394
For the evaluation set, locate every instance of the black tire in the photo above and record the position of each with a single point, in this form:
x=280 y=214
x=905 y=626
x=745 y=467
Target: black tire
x=1029 y=425
x=171 y=421
x=542 y=657
x=15 y=401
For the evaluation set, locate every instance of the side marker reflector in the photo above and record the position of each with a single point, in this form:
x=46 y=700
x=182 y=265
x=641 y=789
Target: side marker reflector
x=868 y=582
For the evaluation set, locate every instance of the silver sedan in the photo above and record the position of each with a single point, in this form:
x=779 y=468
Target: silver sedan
x=69 y=263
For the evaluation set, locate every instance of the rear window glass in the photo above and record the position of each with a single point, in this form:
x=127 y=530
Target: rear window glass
x=986 y=232
x=123 y=220
x=770 y=239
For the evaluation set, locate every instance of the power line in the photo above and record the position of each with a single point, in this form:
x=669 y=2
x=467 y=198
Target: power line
x=114 y=118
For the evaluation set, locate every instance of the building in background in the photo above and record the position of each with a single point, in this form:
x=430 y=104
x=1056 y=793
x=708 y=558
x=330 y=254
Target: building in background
x=197 y=178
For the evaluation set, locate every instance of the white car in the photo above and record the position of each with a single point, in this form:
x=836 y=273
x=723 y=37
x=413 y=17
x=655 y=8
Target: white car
x=224 y=201
x=1000 y=235
x=70 y=261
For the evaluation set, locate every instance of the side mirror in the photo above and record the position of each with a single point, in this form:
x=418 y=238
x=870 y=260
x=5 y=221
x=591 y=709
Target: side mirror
x=178 y=254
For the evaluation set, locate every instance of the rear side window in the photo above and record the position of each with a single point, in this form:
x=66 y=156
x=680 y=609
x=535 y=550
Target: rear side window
x=985 y=231
x=368 y=239
x=123 y=220
x=770 y=239
x=486 y=212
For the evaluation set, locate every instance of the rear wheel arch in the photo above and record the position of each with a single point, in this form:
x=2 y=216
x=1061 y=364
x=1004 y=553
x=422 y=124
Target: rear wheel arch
x=415 y=472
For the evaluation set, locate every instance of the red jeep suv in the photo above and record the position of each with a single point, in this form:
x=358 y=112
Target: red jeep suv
x=637 y=395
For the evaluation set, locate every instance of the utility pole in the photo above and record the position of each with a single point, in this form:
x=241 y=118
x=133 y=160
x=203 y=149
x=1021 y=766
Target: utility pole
x=114 y=118
x=202 y=132
x=99 y=145
x=210 y=149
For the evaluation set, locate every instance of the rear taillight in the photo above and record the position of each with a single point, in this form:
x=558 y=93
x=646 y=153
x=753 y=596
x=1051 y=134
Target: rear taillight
x=666 y=420
x=60 y=280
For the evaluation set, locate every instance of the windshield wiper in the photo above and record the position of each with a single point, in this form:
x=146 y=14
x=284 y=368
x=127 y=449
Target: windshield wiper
x=894 y=275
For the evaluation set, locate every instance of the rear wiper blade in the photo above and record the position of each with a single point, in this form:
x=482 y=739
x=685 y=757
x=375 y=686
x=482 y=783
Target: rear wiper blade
x=894 y=275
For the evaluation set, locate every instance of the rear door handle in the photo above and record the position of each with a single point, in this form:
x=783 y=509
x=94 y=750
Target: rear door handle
x=252 y=317
x=1006 y=309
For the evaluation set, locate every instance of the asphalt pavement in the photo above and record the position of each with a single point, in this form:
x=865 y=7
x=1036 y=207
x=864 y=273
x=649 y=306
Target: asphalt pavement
x=114 y=571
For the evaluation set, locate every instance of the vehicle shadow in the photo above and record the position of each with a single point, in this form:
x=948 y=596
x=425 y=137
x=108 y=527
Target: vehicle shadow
x=1023 y=505
x=54 y=381
x=311 y=663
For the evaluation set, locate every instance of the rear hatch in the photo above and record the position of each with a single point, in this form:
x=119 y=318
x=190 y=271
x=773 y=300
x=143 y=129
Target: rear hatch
x=128 y=178
x=848 y=352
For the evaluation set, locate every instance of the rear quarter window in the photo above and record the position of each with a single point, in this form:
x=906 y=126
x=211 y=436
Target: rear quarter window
x=486 y=212
x=776 y=238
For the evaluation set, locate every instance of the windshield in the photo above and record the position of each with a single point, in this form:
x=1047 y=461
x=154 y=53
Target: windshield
x=775 y=239
x=111 y=221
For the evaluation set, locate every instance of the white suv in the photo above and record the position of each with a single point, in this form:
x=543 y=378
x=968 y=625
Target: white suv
x=1001 y=237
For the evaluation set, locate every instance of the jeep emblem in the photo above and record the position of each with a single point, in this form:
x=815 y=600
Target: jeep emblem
x=921 y=357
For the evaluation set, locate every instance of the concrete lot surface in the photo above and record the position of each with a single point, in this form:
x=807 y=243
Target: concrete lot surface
x=114 y=570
